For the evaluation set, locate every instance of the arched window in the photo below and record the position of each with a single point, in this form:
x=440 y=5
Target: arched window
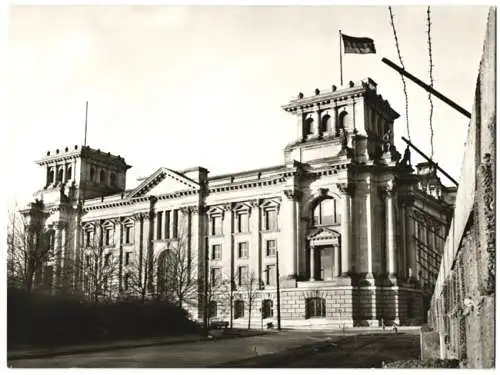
x=326 y=123
x=212 y=309
x=51 y=176
x=92 y=173
x=239 y=309
x=68 y=173
x=113 y=179
x=325 y=212
x=267 y=308
x=308 y=126
x=60 y=175
x=102 y=176
x=341 y=123
x=315 y=307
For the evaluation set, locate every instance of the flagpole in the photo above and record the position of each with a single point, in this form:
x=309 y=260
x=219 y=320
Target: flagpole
x=86 y=112
x=340 y=55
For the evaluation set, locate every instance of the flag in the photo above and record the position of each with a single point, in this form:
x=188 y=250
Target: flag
x=358 y=45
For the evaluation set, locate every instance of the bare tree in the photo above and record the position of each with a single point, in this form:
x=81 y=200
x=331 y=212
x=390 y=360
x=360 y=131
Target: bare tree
x=28 y=249
x=250 y=286
x=99 y=270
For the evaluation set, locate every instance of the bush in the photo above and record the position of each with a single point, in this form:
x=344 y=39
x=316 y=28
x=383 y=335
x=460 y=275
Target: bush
x=41 y=319
x=428 y=363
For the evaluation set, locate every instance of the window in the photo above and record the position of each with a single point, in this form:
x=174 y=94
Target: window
x=242 y=275
x=68 y=173
x=315 y=307
x=51 y=176
x=127 y=258
x=107 y=259
x=87 y=260
x=308 y=126
x=270 y=275
x=167 y=224
x=88 y=238
x=242 y=222
x=325 y=123
x=267 y=308
x=48 y=273
x=128 y=234
x=271 y=220
x=159 y=226
x=112 y=177
x=102 y=176
x=107 y=236
x=215 y=275
x=105 y=283
x=216 y=252
x=239 y=309
x=270 y=247
x=216 y=224
x=92 y=173
x=60 y=175
x=342 y=122
x=212 y=309
x=325 y=212
x=243 y=250
x=126 y=281
x=175 y=228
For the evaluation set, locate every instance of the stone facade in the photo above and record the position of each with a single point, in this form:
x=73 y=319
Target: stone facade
x=463 y=303
x=343 y=214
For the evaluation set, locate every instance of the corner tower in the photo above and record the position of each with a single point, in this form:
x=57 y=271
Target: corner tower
x=81 y=172
x=328 y=121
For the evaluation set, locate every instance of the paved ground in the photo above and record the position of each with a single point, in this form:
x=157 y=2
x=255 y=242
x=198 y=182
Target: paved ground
x=359 y=351
x=279 y=349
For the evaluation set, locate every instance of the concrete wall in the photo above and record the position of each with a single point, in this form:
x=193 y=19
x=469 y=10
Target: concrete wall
x=463 y=305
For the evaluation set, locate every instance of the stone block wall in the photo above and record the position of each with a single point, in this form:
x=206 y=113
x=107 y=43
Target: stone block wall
x=463 y=307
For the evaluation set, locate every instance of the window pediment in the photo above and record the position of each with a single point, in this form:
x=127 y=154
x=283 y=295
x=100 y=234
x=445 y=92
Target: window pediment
x=324 y=236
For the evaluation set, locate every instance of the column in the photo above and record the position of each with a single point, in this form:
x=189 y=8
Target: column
x=288 y=238
x=227 y=242
x=58 y=250
x=336 y=261
x=410 y=239
x=391 y=261
x=335 y=122
x=311 y=263
x=369 y=247
x=255 y=250
x=347 y=189
x=300 y=125
x=316 y=122
x=64 y=173
x=298 y=247
x=120 y=244
x=73 y=171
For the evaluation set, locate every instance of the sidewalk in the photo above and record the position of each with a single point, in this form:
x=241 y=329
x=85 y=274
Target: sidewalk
x=37 y=352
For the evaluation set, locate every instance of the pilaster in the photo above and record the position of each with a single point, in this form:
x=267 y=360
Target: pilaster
x=369 y=234
x=388 y=192
x=346 y=257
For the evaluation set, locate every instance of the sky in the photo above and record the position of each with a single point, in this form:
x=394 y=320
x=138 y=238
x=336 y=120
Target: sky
x=184 y=86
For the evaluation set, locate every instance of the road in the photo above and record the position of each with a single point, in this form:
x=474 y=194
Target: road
x=280 y=349
x=359 y=351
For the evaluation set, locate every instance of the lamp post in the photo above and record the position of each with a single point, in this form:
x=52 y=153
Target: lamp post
x=278 y=290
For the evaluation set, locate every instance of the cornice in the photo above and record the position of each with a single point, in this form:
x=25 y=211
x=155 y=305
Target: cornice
x=310 y=102
x=251 y=184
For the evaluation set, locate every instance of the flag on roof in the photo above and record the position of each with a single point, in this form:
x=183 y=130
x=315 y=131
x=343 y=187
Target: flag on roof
x=358 y=45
